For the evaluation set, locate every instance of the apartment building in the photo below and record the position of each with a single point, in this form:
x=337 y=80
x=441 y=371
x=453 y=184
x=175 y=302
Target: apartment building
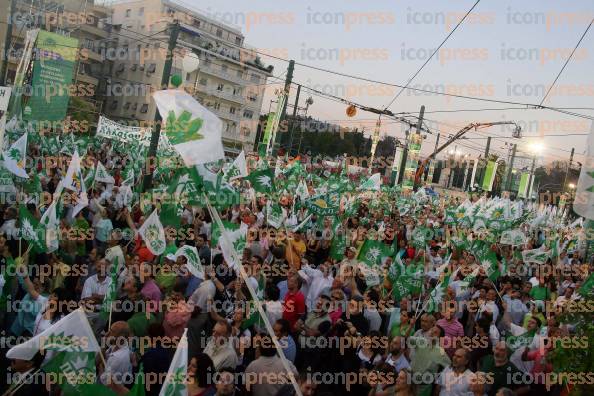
x=82 y=19
x=230 y=79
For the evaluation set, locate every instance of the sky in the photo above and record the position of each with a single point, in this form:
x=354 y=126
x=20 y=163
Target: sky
x=505 y=50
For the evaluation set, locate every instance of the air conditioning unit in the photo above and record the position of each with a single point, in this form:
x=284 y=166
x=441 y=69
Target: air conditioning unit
x=120 y=68
x=141 y=67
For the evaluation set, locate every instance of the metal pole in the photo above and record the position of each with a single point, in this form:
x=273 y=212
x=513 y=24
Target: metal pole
x=568 y=168
x=152 y=152
x=531 y=177
x=405 y=151
x=511 y=168
x=483 y=169
x=294 y=118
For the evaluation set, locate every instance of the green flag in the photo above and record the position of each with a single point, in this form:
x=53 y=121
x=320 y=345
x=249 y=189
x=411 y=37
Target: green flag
x=8 y=275
x=138 y=388
x=262 y=180
x=30 y=229
x=372 y=252
x=489 y=177
x=73 y=370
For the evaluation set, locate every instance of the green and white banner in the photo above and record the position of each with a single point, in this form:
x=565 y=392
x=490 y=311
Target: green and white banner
x=490 y=173
x=415 y=140
x=4 y=100
x=53 y=70
x=583 y=203
x=523 y=188
x=109 y=129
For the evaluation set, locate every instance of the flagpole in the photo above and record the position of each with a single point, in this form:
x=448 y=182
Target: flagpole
x=215 y=215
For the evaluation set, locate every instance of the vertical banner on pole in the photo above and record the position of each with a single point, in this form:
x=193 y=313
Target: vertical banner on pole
x=489 y=175
x=474 y=167
x=275 y=123
x=396 y=165
x=431 y=171
x=415 y=141
x=523 y=188
x=374 y=141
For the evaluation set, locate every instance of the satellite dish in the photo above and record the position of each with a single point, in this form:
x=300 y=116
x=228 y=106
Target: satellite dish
x=190 y=63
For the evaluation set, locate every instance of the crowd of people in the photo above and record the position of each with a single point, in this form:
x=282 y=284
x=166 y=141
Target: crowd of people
x=340 y=330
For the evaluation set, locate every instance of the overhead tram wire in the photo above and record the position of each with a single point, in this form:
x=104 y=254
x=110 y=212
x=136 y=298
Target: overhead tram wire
x=567 y=61
x=432 y=55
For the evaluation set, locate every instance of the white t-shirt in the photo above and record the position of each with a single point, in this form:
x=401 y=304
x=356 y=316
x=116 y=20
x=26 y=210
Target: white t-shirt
x=40 y=323
x=455 y=385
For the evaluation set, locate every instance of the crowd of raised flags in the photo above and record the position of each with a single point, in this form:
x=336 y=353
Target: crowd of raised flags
x=331 y=231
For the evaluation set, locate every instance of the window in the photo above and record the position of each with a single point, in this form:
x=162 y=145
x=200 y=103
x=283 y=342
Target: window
x=188 y=76
x=126 y=105
x=232 y=110
x=220 y=87
x=156 y=45
x=128 y=13
x=135 y=106
x=225 y=68
x=255 y=78
x=219 y=33
x=152 y=67
x=216 y=106
x=196 y=23
x=114 y=105
x=142 y=27
x=252 y=97
x=237 y=40
x=141 y=11
x=236 y=91
x=248 y=114
x=203 y=81
x=144 y=108
x=239 y=73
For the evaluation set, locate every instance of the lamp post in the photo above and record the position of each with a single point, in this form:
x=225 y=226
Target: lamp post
x=535 y=148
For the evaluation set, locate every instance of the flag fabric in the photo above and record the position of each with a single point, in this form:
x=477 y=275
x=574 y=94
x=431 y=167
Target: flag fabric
x=30 y=229
x=111 y=294
x=232 y=244
x=138 y=389
x=538 y=256
x=74 y=181
x=488 y=261
x=49 y=224
x=373 y=183
x=175 y=380
x=72 y=333
x=324 y=204
x=583 y=203
x=372 y=252
x=193 y=131
x=101 y=175
x=274 y=215
x=588 y=286
x=262 y=180
x=7 y=277
x=153 y=234
x=302 y=192
x=513 y=237
x=215 y=234
x=193 y=260
x=15 y=156
x=238 y=168
x=72 y=370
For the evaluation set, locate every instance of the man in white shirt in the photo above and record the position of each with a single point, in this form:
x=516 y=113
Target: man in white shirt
x=205 y=292
x=118 y=365
x=220 y=348
x=319 y=279
x=456 y=380
x=96 y=286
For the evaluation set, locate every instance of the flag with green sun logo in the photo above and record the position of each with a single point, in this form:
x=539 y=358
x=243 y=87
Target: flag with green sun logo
x=194 y=131
x=14 y=157
x=373 y=252
x=72 y=371
x=175 y=380
x=193 y=263
x=153 y=234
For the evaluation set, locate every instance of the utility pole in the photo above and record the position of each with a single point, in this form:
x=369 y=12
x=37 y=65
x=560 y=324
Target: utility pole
x=7 y=44
x=283 y=113
x=568 y=168
x=531 y=180
x=405 y=151
x=483 y=168
x=152 y=151
x=295 y=107
x=511 y=168
x=437 y=142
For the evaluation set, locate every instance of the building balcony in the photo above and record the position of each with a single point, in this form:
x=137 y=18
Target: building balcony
x=94 y=30
x=215 y=70
x=86 y=79
x=226 y=115
x=223 y=95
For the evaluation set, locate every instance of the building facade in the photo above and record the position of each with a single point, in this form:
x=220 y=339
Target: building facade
x=230 y=78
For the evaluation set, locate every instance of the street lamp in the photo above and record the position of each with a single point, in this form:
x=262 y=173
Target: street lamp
x=571 y=186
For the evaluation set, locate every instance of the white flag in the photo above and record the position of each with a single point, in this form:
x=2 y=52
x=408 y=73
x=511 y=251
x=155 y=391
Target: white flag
x=51 y=225
x=101 y=175
x=14 y=157
x=74 y=181
x=194 y=131
x=238 y=168
x=302 y=191
x=175 y=381
x=193 y=260
x=373 y=183
x=153 y=234
x=583 y=203
x=72 y=333
x=233 y=241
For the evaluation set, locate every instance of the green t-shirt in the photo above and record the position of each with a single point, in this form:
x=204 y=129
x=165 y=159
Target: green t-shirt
x=541 y=293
